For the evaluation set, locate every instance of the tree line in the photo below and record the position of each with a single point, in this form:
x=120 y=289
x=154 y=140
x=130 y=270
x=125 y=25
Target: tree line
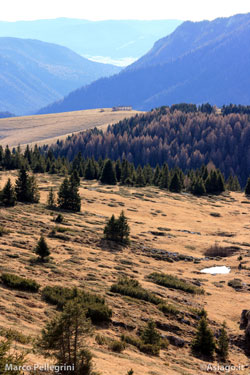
x=179 y=136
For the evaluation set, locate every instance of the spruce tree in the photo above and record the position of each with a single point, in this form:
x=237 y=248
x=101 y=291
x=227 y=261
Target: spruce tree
x=26 y=187
x=42 y=249
x=204 y=339
x=140 y=179
x=223 y=343
x=118 y=170
x=117 y=229
x=175 y=184
x=157 y=175
x=148 y=174
x=198 y=187
x=164 y=180
x=8 y=195
x=90 y=170
x=108 y=173
x=74 y=178
x=150 y=334
x=68 y=195
x=51 y=199
x=247 y=188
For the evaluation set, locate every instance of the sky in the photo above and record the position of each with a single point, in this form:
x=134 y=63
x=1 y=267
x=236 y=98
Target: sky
x=195 y=10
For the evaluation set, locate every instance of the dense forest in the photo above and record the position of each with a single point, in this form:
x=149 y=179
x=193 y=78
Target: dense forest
x=181 y=136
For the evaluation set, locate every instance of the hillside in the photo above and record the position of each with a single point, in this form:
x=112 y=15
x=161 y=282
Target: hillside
x=120 y=41
x=186 y=140
x=34 y=73
x=161 y=228
x=199 y=73
x=48 y=128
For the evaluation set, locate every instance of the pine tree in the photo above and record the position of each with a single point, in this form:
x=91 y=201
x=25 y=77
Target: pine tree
x=140 y=179
x=74 y=178
x=26 y=188
x=198 y=187
x=175 y=184
x=51 y=199
x=148 y=174
x=118 y=170
x=204 y=340
x=108 y=173
x=150 y=334
x=123 y=228
x=8 y=195
x=223 y=343
x=164 y=180
x=68 y=196
x=117 y=229
x=90 y=170
x=247 y=188
x=42 y=249
x=63 y=338
x=157 y=175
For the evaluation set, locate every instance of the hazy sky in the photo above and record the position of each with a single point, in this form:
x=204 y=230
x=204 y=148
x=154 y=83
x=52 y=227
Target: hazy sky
x=12 y=10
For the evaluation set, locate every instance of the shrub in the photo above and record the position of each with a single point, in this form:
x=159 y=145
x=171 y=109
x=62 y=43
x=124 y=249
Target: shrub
x=168 y=309
x=3 y=231
x=174 y=282
x=235 y=283
x=6 y=356
x=117 y=346
x=95 y=306
x=132 y=288
x=150 y=349
x=59 y=219
x=19 y=283
x=219 y=251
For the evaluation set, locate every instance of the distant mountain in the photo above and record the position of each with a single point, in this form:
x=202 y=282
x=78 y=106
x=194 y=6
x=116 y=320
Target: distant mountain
x=110 y=40
x=35 y=73
x=200 y=62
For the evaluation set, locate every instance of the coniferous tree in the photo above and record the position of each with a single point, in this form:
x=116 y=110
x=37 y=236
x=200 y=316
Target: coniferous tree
x=164 y=180
x=42 y=249
x=198 y=187
x=117 y=229
x=175 y=184
x=148 y=174
x=51 y=199
x=108 y=173
x=157 y=175
x=90 y=170
x=204 y=339
x=74 y=178
x=118 y=170
x=63 y=338
x=68 y=195
x=150 y=334
x=8 y=195
x=223 y=343
x=140 y=179
x=26 y=187
x=247 y=188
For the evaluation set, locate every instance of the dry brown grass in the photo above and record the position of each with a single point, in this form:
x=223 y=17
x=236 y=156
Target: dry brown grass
x=82 y=260
x=48 y=128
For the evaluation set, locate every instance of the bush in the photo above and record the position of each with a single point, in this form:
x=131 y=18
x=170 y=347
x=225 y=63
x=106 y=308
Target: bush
x=3 y=231
x=59 y=219
x=96 y=308
x=219 y=251
x=19 y=283
x=168 y=309
x=170 y=281
x=132 y=288
x=7 y=356
x=150 y=349
x=117 y=346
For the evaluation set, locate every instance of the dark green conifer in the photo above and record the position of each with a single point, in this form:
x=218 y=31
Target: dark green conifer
x=175 y=184
x=51 y=199
x=26 y=188
x=203 y=342
x=223 y=343
x=42 y=249
x=108 y=173
x=8 y=195
x=140 y=179
x=198 y=187
x=117 y=229
x=164 y=180
x=247 y=188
